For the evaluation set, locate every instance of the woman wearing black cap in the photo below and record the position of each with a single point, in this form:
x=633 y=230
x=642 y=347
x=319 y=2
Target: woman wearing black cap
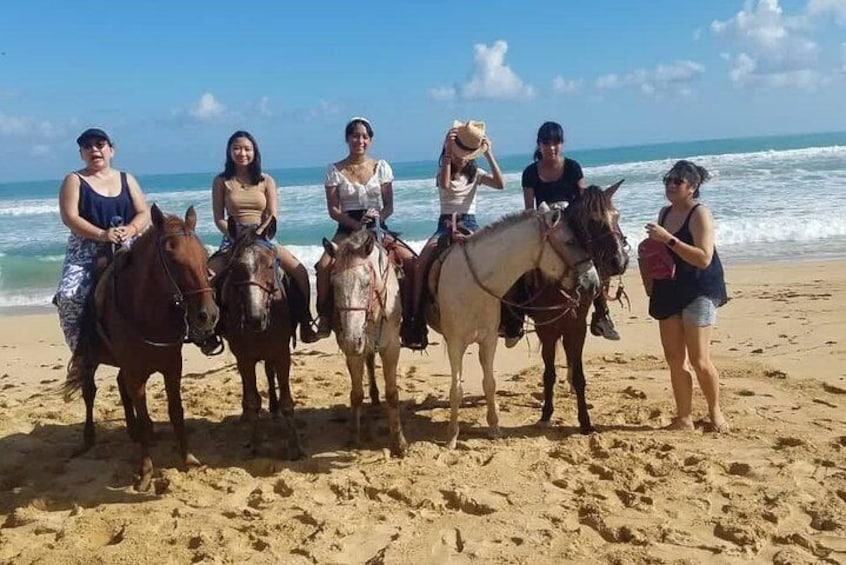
x=101 y=206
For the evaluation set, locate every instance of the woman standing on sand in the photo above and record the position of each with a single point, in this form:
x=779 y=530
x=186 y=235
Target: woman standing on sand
x=686 y=303
x=247 y=195
x=457 y=181
x=102 y=207
x=359 y=190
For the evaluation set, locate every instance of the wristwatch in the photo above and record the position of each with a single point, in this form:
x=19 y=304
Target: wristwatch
x=671 y=242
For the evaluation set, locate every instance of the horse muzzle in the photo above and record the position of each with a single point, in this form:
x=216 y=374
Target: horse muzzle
x=588 y=281
x=202 y=321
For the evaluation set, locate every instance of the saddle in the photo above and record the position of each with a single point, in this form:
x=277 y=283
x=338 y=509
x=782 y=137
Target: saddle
x=457 y=235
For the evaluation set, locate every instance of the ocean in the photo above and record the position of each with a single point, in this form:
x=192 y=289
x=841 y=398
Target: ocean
x=773 y=198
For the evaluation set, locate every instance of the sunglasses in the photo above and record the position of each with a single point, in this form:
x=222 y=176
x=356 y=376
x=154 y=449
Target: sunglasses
x=99 y=144
x=674 y=181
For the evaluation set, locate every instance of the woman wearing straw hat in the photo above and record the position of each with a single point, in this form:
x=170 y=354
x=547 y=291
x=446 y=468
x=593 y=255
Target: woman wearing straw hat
x=359 y=190
x=457 y=180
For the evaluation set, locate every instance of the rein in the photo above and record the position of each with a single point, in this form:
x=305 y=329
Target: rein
x=178 y=294
x=569 y=305
x=377 y=296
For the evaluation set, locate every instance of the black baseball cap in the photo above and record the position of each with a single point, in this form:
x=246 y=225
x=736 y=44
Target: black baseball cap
x=92 y=133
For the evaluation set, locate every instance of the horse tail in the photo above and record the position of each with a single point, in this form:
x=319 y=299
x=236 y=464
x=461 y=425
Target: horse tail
x=80 y=367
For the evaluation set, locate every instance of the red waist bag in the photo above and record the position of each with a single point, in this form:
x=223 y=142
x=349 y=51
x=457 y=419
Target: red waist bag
x=657 y=259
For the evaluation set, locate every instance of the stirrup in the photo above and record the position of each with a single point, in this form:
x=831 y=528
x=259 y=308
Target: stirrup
x=308 y=333
x=323 y=330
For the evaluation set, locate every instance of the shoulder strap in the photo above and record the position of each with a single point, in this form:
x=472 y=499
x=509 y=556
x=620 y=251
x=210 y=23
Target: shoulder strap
x=663 y=216
x=689 y=215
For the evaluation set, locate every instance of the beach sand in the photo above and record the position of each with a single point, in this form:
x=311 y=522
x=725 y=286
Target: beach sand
x=773 y=490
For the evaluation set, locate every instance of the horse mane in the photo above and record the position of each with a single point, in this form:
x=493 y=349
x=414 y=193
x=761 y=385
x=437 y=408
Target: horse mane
x=503 y=222
x=353 y=247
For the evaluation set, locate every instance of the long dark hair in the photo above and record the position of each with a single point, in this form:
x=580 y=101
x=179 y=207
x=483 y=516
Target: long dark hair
x=695 y=175
x=549 y=132
x=254 y=168
x=469 y=170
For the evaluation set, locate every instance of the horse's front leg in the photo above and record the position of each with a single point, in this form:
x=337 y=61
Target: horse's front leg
x=390 y=358
x=250 y=400
x=173 y=388
x=136 y=386
x=273 y=399
x=370 y=363
x=573 y=345
x=128 y=409
x=355 y=365
x=89 y=393
x=487 y=351
x=456 y=392
x=549 y=377
x=282 y=368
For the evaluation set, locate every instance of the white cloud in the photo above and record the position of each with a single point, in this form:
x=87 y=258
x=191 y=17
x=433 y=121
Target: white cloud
x=663 y=78
x=207 y=108
x=773 y=49
x=264 y=106
x=490 y=78
x=29 y=128
x=826 y=7
x=608 y=82
x=324 y=109
x=442 y=93
x=560 y=85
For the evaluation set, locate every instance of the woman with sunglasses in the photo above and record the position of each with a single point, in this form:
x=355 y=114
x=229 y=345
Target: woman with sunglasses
x=686 y=304
x=102 y=207
x=554 y=179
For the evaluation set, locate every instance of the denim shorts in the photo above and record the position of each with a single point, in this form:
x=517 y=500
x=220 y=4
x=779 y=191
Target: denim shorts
x=701 y=312
x=466 y=220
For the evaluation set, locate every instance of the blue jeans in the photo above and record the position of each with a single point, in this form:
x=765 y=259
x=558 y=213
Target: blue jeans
x=465 y=220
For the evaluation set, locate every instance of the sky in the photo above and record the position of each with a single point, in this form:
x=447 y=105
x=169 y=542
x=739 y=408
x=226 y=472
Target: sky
x=170 y=81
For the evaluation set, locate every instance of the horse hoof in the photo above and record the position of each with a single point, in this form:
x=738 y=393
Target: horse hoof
x=399 y=448
x=588 y=430
x=144 y=483
x=544 y=423
x=451 y=444
x=191 y=461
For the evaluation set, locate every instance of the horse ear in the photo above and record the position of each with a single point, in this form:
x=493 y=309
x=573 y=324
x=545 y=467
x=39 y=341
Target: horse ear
x=551 y=217
x=270 y=230
x=543 y=207
x=611 y=190
x=157 y=216
x=330 y=247
x=232 y=228
x=191 y=218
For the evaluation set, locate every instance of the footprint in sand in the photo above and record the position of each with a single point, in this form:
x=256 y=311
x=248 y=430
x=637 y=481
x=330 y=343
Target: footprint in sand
x=785 y=442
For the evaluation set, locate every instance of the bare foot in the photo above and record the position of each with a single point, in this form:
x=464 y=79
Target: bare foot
x=679 y=423
x=719 y=424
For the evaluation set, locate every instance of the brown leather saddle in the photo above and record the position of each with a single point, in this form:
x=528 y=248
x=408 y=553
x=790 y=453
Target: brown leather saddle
x=456 y=235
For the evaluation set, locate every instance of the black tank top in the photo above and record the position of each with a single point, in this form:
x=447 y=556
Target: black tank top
x=670 y=296
x=106 y=211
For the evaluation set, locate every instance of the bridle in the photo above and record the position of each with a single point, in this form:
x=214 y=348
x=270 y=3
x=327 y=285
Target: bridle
x=178 y=297
x=546 y=232
x=269 y=290
x=377 y=296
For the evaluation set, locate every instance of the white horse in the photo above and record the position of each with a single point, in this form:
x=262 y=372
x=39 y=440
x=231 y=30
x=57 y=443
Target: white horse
x=477 y=273
x=366 y=320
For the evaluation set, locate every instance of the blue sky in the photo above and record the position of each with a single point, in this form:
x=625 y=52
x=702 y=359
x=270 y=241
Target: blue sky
x=171 y=80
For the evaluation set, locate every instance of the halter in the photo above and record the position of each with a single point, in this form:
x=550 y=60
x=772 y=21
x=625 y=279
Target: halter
x=179 y=295
x=269 y=290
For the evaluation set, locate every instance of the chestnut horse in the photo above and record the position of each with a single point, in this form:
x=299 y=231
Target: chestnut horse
x=257 y=323
x=158 y=295
x=559 y=315
x=366 y=319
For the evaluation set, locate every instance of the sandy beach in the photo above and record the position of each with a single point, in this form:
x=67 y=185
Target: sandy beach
x=773 y=490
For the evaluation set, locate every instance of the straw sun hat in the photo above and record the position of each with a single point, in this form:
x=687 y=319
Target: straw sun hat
x=470 y=139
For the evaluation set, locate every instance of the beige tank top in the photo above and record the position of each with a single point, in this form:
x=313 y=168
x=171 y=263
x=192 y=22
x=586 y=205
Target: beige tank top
x=245 y=203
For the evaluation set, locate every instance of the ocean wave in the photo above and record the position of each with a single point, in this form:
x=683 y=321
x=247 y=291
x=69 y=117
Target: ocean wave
x=23 y=299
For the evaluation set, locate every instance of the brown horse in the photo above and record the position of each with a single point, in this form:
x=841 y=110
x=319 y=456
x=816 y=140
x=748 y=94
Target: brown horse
x=257 y=323
x=157 y=296
x=559 y=314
